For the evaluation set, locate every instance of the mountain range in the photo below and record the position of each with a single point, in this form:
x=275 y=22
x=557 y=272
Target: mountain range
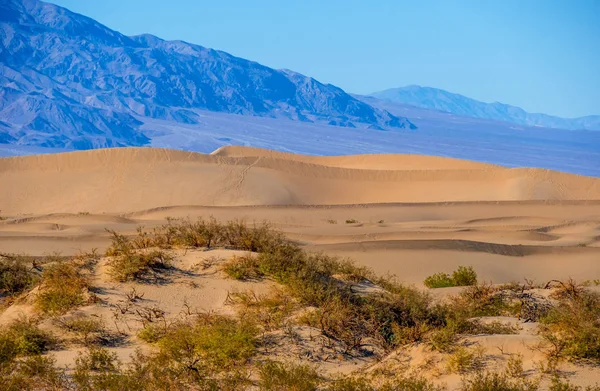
x=68 y=81
x=436 y=99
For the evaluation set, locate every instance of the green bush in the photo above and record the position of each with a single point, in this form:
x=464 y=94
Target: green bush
x=493 y=381
x=560 y=385
x=275 y=376
x=572 y=327
x=89 y=330
x=16 y=275
x=213 y=343
x=410 y=383
x=32 y=374
x=138 y=265
x=22 y=337
x=63 y=288
x=439 y=280
x=242 y=268
x=463 y=276
x=464 y=360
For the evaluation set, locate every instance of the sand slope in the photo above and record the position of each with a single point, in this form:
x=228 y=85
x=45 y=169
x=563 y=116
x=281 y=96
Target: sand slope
x=127 y=179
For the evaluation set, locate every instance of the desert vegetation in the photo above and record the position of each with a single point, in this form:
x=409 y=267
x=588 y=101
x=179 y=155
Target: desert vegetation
x=322 y=306
x=463 y=276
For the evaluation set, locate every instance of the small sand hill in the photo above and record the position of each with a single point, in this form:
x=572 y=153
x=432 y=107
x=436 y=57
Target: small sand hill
x=127 y=179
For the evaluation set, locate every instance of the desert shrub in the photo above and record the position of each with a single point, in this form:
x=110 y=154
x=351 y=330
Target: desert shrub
x=138 y=265
x=514 y=366
x=23 y=337
x=63 y=287
x=410 y=382
x=144 y=239
x=351 y=221
x=15 y=275
x=444 y=339
x=351 y=384
x=268 y=310
x=320 y=280
x=558 y=384
x=99 y=369
x=242 y=268
x=571 y=328
x=480 y=300
x=439 y=280
x=464 y=360
x=213 y=342
x=463 y=276
x=152 y=332
x=493 y=381
x=275 y=376
x=89 y=330
x=494 y=327
x=31 y=374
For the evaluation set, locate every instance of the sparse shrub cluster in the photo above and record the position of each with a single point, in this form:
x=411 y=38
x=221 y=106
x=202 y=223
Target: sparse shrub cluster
x=23 y=337
x=398 y=315
x=88 y=330
x=131 y=260
x=463 y=276
x=268 y=310
x=571 y=328
x=64 y=286
x=209 y=233
x=16 y=275
x=496 y=381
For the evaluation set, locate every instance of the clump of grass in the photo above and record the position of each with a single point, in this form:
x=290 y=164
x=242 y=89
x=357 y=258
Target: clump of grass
x=558 y=384
x=242 y=267
x=496 y=381
x=465 y=360
x=326 y=283
x=152 y=332
x=276 y=376
x=268 y=310
x=214 y=343
x=411 y=383
x=63 y=288
x=331 y=221
x=23 y=337
x=463 y=276
x=571 y=328
x=16 y=275
x=89 y=330
x=514 y=366
x=128 y=263
x=481 y=300
x=351 y=221
x=444 y=340
x=31 y=374
x=211 y=233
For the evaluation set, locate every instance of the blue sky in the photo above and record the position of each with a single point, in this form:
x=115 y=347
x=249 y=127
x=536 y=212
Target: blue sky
x=541 y=55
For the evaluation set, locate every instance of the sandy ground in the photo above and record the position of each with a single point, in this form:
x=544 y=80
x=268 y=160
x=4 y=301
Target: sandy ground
x=406 y=215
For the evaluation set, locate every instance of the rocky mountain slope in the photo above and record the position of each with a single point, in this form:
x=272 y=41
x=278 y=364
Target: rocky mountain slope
x=68 y=81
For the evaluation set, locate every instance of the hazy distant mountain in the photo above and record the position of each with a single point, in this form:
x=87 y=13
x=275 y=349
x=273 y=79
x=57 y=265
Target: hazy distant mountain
x=68 y=81
x=433 y=98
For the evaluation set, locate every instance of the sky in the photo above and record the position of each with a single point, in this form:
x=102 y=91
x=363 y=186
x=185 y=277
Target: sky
x=541 y=55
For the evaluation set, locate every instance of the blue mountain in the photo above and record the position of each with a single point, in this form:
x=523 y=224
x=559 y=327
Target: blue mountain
x=68 y=81
x=436 y=99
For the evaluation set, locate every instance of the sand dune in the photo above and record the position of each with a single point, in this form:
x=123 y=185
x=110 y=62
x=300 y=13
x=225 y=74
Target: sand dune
x=406 y=215
x=128 y=179
x=400 y=205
